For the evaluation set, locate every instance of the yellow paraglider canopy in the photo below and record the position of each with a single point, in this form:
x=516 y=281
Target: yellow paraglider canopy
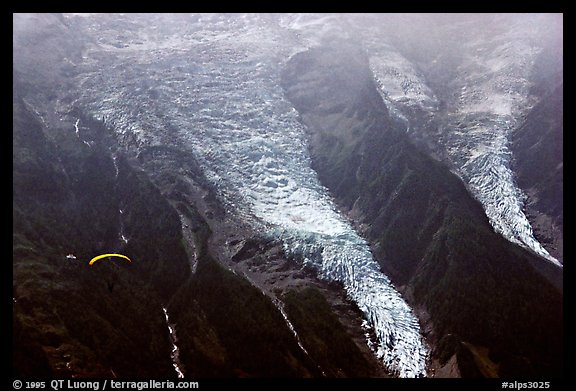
x=108 y=255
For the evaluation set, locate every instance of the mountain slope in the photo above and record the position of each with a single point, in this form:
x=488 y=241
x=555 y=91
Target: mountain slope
x=266 y=244
x=85 y=319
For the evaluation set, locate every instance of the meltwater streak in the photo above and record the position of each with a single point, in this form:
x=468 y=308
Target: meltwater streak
x=175 y=352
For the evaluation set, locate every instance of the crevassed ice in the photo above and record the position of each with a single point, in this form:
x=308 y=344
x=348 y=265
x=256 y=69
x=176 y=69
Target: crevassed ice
x=220 y=97
x=346 y=258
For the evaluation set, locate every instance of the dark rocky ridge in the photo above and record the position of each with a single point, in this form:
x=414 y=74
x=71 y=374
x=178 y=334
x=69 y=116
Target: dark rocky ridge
x=429 y=235
x=538 y=151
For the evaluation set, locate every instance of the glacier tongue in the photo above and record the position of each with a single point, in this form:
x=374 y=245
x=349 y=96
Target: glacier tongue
x=345 y=258
x=490 y=178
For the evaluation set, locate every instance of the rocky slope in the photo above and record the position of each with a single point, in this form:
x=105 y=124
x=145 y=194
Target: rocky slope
x=541 y=135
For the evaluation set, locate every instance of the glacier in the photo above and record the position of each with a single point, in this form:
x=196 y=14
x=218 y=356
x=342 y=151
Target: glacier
x=214 y=87
x=485 y=99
